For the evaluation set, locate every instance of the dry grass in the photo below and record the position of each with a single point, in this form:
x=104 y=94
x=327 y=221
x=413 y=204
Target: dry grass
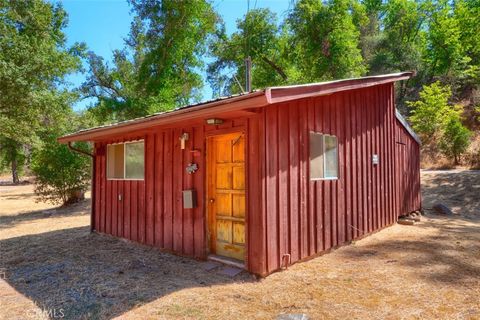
x=432 y=159
x=427 y=271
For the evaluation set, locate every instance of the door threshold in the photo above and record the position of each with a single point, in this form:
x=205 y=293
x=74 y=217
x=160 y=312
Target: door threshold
x=228 y=261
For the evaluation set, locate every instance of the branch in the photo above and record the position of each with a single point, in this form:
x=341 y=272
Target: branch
x=275 y=67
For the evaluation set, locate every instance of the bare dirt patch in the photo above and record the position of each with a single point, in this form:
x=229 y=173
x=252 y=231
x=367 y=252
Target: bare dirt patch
x=458 y=189
x=426 y=271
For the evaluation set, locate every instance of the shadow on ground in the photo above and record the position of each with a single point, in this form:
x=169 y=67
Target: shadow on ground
x=460 y=191
x=451 y=256
x=90 y=275
x=80 y=208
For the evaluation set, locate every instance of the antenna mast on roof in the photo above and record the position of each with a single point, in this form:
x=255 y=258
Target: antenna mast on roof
x=248 y=59
x=248 y=74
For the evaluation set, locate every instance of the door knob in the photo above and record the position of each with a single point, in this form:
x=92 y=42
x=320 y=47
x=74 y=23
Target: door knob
x=212 y=200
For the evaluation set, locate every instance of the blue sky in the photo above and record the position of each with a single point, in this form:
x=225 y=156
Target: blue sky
x=103 y=24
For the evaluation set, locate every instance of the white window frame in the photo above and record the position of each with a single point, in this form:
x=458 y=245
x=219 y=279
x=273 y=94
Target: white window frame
x=125 y=160
x=324 y=158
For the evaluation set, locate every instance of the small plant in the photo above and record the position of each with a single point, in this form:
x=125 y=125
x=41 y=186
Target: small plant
x=61 y=176
x=455 y=138
x=429 y=112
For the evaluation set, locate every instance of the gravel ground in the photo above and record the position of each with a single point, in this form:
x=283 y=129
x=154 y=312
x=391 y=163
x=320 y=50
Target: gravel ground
x=53 y=267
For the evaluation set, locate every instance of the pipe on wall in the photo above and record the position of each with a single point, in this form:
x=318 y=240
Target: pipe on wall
x=92 y=183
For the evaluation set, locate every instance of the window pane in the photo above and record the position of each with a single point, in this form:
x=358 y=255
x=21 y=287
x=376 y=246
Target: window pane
x=134 y=160
x=331 y=157
x=316 y=155
x=115 y=161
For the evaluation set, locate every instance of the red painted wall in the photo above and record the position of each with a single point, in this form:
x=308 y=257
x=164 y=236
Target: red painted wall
x=151 y=211
x=306 y=217
x=408 y=171
x=287 y=213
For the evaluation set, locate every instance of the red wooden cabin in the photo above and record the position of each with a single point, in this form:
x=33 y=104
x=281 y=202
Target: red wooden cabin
x=267 y=178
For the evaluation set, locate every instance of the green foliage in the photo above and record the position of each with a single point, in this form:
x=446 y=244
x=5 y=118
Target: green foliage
x=325 y=40
x=429 y=113
x=34 y=59
x=318 y=41
x=157 y=70
x=259 y=37
x=455 y=138
x=12 y=157
x=439 y=123
x=445 y=48
x=402 y=40
x=60 y=174
x=160 y=66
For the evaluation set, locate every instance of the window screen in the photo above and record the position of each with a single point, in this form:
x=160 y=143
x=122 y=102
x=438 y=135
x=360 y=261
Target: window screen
x=134 y=160
x=316 y=155
x=115 y=161
x=126 y=161
x=323 y=156
x=331 y=156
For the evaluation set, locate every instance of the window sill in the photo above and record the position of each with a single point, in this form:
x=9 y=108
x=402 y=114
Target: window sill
x=323 y=179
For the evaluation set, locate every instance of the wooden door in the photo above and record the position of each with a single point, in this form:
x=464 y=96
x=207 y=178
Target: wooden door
x=226 y=195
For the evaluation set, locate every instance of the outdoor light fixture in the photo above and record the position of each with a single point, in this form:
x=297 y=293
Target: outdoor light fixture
x=214 y=121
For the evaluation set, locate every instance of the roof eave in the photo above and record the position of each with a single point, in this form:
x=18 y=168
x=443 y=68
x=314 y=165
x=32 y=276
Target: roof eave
x=288 y=93
x=407 y=127
x=250 y=100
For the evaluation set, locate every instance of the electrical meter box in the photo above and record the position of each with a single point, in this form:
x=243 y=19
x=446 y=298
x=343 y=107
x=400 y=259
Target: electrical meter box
x=189 y=199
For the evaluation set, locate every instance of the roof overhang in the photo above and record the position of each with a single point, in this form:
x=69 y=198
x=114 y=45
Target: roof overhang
x=407 y=127
x=287 y=93
x=256 y=99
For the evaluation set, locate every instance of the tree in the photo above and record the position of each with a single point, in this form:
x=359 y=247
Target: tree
x=467 y=14
x=61 y=175
x=158 y=68
x=259 y=37
x=34 y=59
x=455 y=138
x=402 y=45
x=438 y=123
x=12 y=156
x=325 y=40
x=445 y=50
x=430 y=111
x=367 y=17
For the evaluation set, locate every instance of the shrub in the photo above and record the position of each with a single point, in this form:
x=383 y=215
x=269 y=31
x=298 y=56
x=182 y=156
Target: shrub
x=439 y=124
x=455 y=138
x=61 y=175
x=429 y=112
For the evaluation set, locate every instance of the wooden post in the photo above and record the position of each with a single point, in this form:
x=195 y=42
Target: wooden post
x=248 y=74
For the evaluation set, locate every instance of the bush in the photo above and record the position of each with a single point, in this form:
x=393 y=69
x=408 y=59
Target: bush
x=455 y=138
x=439 y=124
x=62 y=176
x=429 y=112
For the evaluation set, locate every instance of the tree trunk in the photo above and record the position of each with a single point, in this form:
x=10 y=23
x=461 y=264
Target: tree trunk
x=74 y=197
x=15 y=178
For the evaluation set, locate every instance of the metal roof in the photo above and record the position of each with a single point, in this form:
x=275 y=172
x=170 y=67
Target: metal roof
x=407 y=127
x=255 y=99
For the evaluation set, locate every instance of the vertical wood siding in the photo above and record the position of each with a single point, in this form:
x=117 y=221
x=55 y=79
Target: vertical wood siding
x=408 y=171
x=306 y=217
x=289 y=217
x=150 y=211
